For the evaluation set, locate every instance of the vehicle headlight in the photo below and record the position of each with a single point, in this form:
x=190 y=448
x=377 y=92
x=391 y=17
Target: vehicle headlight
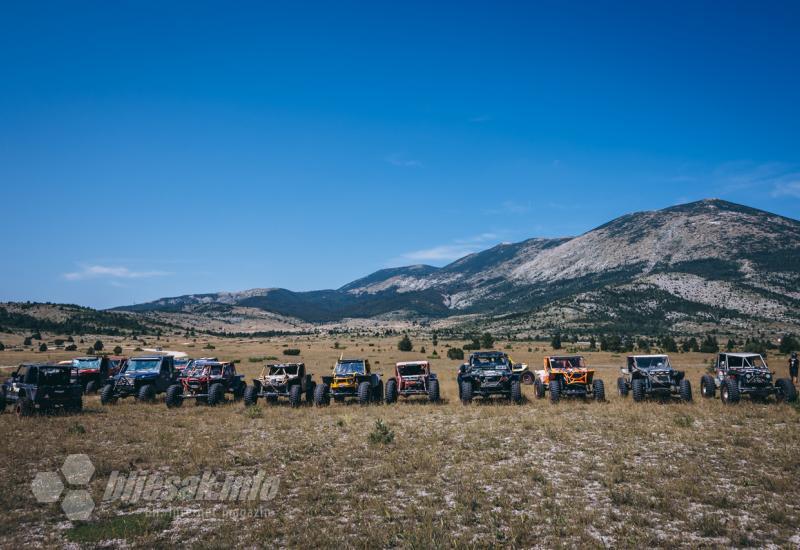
x=769 y=376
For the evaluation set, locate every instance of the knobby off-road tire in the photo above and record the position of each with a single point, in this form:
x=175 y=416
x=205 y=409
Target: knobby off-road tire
x=555 y=391
x=516 y=393
x=238 y=393
x=174 y=396
x=729 y=392
x=250 y=396
x=707 y=387
x=391 y=391
x=216 y=394
x=637 y=390
x=364 y=390
x=322 y=395
x=91 y=387
x=685 y=391
x=538 y=389
x=466 y=392
x=527 y=378
x=786 y=390
x=146 y=393
x=622 y=387
x=107 y=395
x=377 y=392
x=599 y=390
x=2 y=400
x=433 y=391
x=310 y=387
x=295 y=395
x=23 y=407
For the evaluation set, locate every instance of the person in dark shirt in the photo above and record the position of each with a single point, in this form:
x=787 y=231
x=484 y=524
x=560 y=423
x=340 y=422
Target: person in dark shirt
x=794 y=363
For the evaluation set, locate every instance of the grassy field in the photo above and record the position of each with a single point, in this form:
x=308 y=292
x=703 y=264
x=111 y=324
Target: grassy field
x=573 y=474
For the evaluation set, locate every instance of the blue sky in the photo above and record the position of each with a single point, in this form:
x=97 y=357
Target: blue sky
x=155 y=149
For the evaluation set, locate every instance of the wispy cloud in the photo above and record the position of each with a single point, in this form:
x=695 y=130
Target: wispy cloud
x=397 y=159
x=110 y=272
x=449 y=252
x=510 y=207
x=777 y=179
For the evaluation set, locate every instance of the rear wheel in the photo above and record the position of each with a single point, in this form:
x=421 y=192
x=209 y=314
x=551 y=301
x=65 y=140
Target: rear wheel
x=364 y=391
x=322 y=396
x=391 y=391
x=107 y=395
x=707 y=387
x=174 y=397
x=146 y=393
x=729 y=392
x=295 y=394
x=377 y=392
x=685 y=390
x=76 y=406
x=91 y=386
x=786 y=390
x=310 y=387
x=538 y=389
x=238 y=393
x=516 y=392
x=599 y=390
x=250 y=396
x=466 y=392
x=637 y=389
x=433 y=391
x=555 y=391
x=622 y=387
x=527 y=378
x=216 y=394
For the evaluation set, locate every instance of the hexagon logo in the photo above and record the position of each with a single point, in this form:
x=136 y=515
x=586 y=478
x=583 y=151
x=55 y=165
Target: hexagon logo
x=47 y=487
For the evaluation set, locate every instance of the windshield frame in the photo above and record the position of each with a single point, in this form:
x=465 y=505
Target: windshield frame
x=341 y=368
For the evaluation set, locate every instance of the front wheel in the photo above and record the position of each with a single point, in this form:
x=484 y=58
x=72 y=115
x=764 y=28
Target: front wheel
x=786 y=390
x=322 y=395
x=295 y=394
x=91 y=387
x=516 y=392
x=433 y=391
x=391 y=391
x=622 y=387
x=707 y=387
x=107 y=395
x=364 y=390
x=729 y=392
x=685 y=390
x=555 y=391
x=216 y=394
x=637 y=389
x=24 y=407
x=599 y=390
x=250 y=396
x=174 y=397
x=466 y=392
x=147 y=393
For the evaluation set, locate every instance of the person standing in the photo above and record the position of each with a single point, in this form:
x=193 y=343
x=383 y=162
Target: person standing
x=794 y=363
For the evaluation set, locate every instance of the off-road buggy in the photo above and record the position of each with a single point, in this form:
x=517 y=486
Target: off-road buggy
x=351 y=378
x=206 y=382
x=567 y=376
x=652 y=376
x=43 y=387
x=412 y=378
x=141 y=378
x=288 y=380
x=486 y=374
x=93 y=371
x=738 y=374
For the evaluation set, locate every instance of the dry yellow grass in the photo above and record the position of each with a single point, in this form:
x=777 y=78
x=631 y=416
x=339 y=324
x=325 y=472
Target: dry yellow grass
x=575 y=474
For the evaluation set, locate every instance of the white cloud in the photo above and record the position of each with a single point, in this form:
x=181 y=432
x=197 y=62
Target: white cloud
x=449 y=252
x=110 y=272
x=396 y=159
x=787 y=189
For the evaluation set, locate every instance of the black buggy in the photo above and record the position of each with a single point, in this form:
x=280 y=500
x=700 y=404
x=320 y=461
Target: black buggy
x=141 y=378
x=42 y=387
x=738 y=374
x=486 y=374
x=653 y=376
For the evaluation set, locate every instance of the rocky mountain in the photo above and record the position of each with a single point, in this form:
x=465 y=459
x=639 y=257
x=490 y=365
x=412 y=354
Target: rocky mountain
x=711 y=262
